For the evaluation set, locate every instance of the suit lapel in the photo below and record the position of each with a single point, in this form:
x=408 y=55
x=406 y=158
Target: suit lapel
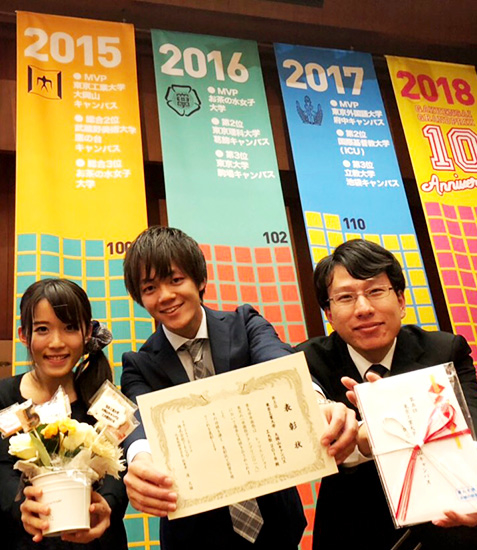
x=166 y=360
x=406 y=354
x=345 y=365
x=342 y=365
x=219 y=338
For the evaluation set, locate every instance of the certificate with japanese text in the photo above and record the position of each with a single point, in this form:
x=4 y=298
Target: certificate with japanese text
x=238 y=435
x=423 y=447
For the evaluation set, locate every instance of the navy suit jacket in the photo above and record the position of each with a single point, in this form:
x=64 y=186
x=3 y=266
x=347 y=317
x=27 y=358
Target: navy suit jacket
x=237 y=339
x=354 y=497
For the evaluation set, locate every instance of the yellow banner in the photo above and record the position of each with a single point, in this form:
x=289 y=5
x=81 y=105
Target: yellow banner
x=437 y=104
x=80 y=166
x=80 y=195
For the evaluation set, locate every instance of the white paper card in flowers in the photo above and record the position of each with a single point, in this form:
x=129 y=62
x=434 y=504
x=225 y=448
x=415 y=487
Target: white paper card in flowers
x=57 y=408
x=9 y=421
x=401 y=412
x=114 y=412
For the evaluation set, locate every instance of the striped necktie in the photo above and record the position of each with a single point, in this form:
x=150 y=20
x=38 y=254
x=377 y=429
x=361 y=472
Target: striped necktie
x=246 y=517
x=195 y=348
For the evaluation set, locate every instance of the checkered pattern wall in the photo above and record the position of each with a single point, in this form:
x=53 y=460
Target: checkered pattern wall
x=265 y=277
x=453 y=232
x=325 y=233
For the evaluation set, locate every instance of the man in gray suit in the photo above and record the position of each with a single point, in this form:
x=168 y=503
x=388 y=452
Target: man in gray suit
x=360 y=287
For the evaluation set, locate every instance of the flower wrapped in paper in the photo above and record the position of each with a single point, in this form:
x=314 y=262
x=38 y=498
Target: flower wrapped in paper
x=420 y=432
x=65 y=457
x=54 y=441
x=66 y=444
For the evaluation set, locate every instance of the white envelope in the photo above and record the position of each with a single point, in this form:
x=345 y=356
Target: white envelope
x=400 y=412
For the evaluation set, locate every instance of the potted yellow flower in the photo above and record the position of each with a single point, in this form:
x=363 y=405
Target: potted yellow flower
x=65 y=457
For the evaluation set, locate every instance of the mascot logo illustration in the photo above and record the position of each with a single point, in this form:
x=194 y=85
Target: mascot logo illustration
x=182 y=99
x=45 y=83
x=308 y=114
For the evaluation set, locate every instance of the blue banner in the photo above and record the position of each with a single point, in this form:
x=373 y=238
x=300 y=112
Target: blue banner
x=348 y=176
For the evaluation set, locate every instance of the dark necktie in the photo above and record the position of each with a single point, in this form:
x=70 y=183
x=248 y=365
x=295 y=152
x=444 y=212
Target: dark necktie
x=246 y=517
x=378 y=369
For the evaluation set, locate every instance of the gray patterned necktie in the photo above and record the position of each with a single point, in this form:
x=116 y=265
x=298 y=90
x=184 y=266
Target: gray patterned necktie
x=195 y=349
x=246 y=517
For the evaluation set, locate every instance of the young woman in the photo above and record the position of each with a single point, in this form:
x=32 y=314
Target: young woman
x=57 y=329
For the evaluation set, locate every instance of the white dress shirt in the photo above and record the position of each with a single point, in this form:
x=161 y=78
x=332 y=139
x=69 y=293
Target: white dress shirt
x=176 y=341
x=362 y=364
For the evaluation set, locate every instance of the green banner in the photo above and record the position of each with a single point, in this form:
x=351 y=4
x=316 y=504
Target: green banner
x=222 y=180
x=221 y=173
x=220 y=166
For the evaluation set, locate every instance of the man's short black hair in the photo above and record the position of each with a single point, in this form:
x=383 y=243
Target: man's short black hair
x=363 y=260
x=155 y=249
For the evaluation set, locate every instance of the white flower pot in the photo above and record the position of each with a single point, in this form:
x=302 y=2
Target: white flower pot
x=68 y=494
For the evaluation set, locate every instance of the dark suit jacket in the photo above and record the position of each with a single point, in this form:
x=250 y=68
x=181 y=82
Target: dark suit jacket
x=237 y=339
x=352 y=511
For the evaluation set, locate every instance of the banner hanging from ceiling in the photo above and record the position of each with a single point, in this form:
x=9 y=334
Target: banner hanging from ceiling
x=222 y=180
x=348 y=176
x=437 y=104
x=221 y=173
x=80 y=195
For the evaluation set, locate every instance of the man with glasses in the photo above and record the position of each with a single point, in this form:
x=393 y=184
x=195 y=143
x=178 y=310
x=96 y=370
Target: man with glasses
x=360 y=287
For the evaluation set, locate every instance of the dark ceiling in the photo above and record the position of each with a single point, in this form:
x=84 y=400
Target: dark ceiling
x=432 y=29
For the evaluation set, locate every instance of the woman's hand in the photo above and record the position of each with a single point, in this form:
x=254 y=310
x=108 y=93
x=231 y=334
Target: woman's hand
x=100 y=520
x=31 y=510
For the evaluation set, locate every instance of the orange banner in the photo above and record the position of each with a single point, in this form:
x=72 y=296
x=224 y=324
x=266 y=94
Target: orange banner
x=80 y=163
x=80 y=195
x=80 y=178
x=437 y=104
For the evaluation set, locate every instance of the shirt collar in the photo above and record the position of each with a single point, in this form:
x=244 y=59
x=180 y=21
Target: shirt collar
x=176 y=341
x=363 y=364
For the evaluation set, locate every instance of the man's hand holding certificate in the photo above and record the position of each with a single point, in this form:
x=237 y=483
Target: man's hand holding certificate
x=422 y=444
x=236 y=436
